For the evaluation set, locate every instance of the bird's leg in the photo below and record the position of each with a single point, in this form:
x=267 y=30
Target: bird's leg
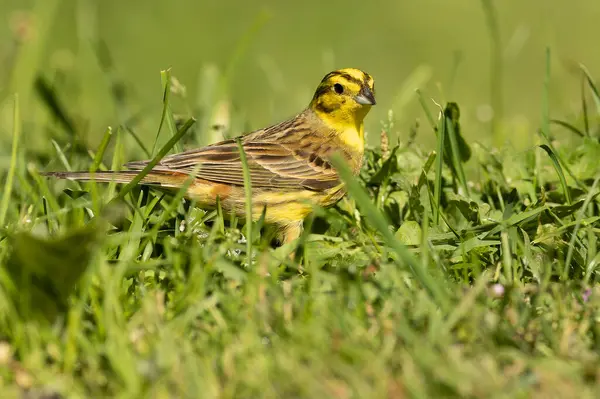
x=291 y=232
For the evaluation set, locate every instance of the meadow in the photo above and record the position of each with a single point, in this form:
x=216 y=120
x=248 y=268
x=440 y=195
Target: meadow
x=462 y=262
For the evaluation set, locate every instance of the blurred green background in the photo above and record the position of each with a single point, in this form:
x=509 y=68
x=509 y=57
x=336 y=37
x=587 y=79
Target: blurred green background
x=272 y=55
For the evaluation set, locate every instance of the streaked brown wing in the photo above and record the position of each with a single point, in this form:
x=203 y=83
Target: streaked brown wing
x=272 y=165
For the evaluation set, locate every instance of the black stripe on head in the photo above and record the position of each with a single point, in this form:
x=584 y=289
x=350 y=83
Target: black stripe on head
x=322 y=89
x=329 y=75
x=352 y=79
x=346 y=76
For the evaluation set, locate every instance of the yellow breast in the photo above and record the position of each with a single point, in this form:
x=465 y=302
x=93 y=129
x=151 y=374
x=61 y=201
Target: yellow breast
x=353 y=138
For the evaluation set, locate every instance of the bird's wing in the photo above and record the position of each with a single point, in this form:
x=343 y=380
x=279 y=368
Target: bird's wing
x=271 y=164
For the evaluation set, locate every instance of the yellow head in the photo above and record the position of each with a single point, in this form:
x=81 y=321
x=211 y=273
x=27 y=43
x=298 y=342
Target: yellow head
x=344 y=97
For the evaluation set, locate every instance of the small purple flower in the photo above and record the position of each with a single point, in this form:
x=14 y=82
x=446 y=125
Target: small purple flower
x=498 y=290
x=587 y=294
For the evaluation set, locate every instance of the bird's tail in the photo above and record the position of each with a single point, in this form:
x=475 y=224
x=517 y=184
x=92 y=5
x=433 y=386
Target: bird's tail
x=161 y=178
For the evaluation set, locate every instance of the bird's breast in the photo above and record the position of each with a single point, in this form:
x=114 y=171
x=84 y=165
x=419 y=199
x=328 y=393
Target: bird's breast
x=353 y=139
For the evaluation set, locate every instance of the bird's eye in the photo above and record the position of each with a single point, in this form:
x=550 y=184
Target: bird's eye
x=339 y=89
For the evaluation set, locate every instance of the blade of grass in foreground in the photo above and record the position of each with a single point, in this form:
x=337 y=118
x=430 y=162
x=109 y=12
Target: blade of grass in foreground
x=437 y=189
x=248 y=194
x=167 y=114
x=440 y=130
x=545 y=132
x=101 y=150
x=580 y=216
x=13 y=162
x=161 y=153
x=96 y=164
x=170 y=208
x=559 y=171
x=362 y=199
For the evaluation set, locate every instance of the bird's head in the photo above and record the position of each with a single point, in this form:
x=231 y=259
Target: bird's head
x=344 y=97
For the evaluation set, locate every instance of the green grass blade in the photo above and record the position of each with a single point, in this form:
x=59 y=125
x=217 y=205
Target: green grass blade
x=515 y=220
x=116 y=161
x=545 y=132
x=47 y=198
x=172 y=207
x=161 y=153
x=456 y=160
x=506 y=258
x=139 y=141
x=559 y=172
x=50 y=99
x=101 y=150
x=592 y=86
x=167 y=114
x=378 y=221
x=8 y=184
x=61 y=155
x=96 y=164
x=165 y=78
x=248 y=194
x=584 y=106
x=580 y=216
x=569 y=127
x=437 y=188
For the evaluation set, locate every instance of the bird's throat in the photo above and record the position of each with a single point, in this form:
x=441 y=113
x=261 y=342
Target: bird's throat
x=348 y=126
x=353 y=138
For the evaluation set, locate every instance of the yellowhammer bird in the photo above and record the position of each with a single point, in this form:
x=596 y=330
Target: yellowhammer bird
x=288 y=162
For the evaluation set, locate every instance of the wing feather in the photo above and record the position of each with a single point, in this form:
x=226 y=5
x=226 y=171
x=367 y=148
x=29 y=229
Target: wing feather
x=272 y=164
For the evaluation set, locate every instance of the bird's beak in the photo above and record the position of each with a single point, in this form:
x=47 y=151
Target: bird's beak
x=365 y=97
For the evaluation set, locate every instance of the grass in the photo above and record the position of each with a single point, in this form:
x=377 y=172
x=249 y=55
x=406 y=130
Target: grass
x=153 y=297
x=467 y=271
